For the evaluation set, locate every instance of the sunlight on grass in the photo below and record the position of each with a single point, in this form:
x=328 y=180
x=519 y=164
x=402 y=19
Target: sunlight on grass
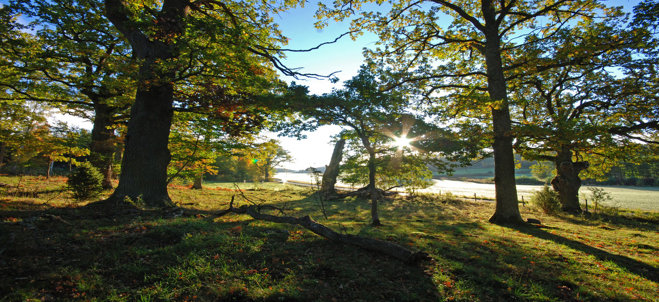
x=155 y=256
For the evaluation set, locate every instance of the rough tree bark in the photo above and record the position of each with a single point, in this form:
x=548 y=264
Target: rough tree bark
x=50 y=168
x=3 y=153
x=332 y=170
x=567 y=181
x=198 y=181
x=145 y=160
x=102 y=147
x=266 y=172
x=388 y=248
x=507 y=207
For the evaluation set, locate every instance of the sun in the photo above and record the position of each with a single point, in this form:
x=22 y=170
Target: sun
x=402 y=142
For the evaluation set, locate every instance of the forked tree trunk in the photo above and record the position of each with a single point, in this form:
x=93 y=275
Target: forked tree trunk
x=102 y=147
x=507 y=208
x=567 y=181
x=332 y=170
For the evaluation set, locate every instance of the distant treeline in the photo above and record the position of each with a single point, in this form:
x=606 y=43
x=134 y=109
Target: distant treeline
x=628 y=174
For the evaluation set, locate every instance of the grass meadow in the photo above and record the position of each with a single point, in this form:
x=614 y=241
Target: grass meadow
x=55 y=249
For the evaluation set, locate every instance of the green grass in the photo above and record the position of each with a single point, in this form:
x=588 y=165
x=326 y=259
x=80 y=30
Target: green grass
x=54 y=249
x=252 y=185
x=644 y=198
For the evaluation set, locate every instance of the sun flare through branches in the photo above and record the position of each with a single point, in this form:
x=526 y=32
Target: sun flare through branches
x=402 y=142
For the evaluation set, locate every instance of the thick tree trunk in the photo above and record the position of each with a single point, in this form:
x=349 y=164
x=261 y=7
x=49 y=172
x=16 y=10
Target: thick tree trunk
x=102 y=147
x=507 y=208
x=332 y=170
x=198 y=181
x=567 y=181
x=3 y=153
x=145 y=160
x=144 y=164
x=266 y=173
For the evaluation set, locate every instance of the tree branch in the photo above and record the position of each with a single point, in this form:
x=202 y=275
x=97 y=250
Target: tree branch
x=462 y=13
x=315 y=47
x=118 y=14
x=384 y=247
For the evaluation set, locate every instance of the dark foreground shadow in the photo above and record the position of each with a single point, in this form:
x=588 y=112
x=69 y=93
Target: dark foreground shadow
x=85 y=253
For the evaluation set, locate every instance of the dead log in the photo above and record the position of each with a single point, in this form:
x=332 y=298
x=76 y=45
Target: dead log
x=379 y=246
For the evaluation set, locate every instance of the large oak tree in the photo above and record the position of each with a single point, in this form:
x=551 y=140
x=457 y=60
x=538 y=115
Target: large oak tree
x=180 y=44
x=595 y=107
x=71 y=56
x=458 y=55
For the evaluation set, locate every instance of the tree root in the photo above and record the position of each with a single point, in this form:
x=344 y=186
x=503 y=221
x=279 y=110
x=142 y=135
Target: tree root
x=384 y=247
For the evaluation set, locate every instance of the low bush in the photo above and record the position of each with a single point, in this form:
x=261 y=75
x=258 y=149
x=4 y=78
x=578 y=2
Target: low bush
x=546 y=200
x=85 y=181
x=599 y=198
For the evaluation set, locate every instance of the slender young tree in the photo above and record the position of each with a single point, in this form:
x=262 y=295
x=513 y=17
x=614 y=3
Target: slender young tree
x=362 y=108
x=373 y=118
x=210 y=124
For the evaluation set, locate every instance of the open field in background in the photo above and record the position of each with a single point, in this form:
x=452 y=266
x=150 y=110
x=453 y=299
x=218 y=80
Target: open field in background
x=641 y=198
x=474 y=172
x=52 y=248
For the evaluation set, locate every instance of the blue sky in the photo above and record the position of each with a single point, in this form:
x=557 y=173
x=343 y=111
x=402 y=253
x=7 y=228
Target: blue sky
x=344 y=56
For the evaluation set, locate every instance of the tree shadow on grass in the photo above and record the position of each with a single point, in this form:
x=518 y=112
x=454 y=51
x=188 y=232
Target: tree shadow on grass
x=497 y=268
x=636 y=267
x=141 y=254
x=465 y=267
x=650 y=223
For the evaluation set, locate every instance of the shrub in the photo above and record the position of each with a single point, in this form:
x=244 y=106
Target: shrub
x=85 y=181
x=546 y=200
x=599 y=197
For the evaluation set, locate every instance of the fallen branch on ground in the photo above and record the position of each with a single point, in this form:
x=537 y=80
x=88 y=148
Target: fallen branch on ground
x=388 y=248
